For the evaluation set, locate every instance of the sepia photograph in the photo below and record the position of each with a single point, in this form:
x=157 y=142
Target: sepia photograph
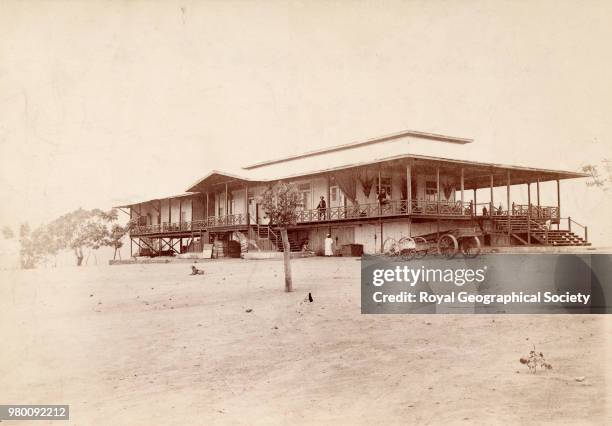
x=305 y=212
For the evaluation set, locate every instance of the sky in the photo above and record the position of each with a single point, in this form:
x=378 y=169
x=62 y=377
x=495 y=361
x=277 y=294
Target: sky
x=102 y=103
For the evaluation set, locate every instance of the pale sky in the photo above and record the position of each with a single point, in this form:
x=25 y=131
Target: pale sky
x=103 y=103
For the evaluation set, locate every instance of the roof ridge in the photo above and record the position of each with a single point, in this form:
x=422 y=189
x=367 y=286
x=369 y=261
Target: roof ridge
x=350 y=145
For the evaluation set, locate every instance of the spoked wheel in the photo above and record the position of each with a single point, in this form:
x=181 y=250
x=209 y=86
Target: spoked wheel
x=421 y=247
x=391 y=247
x=448 y=246
x=407 y=248
x=470 y=247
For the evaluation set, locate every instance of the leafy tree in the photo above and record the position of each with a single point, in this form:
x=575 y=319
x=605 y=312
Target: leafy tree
x=24 y=229
x=280 y=203
x=80 y=229
x=115 y=237
x=34 y=246
x=600 y=174
x=7 y=232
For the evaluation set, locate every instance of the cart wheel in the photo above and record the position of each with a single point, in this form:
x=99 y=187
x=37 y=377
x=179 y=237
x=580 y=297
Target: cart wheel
x=390 y=247
x=421 y=247
x=448 y=246
x=470 y=247
x=407 y=248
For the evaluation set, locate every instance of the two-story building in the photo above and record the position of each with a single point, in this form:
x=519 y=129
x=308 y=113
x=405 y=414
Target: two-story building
x=406 y=184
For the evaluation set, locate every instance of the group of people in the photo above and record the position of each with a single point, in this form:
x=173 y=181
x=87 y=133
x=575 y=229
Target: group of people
x=328 y=246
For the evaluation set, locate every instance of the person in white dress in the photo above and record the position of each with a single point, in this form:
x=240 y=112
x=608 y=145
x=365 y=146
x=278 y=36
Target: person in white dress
x=329 y=242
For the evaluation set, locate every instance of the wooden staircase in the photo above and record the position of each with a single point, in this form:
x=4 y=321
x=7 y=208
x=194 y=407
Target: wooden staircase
x=273 y=236
x=521 y=227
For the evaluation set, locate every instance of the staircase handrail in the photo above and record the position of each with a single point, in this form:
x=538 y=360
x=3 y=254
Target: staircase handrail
x=570 y=221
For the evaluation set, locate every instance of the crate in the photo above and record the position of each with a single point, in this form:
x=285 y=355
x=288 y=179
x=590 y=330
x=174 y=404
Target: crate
x=352 y=250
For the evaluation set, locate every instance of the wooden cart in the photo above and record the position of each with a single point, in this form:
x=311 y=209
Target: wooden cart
x=447 y=244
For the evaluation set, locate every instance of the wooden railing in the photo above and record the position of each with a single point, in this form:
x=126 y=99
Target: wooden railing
x=442 y=208
x=358 y=211
x=535 y=212
x=576 y=227
x=194 y=225
x=389 y=208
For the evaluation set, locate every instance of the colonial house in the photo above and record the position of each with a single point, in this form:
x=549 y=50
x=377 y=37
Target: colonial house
x=405 y=184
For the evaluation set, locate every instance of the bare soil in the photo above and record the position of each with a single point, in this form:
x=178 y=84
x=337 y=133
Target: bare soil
x=150 y=344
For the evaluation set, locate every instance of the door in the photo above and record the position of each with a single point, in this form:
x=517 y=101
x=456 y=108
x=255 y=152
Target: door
x=253 y=207
x=337 y=198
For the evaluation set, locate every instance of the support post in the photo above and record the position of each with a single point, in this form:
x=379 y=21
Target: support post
x=508 y=203
x=328 y=204
x=246 y=205
x=409 y=188
x=538 y=193
x=207 y=210
x=462 y=190
x=382 y=241
x=378 y=200
x=475 y=203
x=226 y=201
x=169 y=213
x=159 y=215
x=558 y=201
x=438 y=189
x=380 y=213
x=508 y=192
x=529 y=213
x=491 y=202
x=180 y=213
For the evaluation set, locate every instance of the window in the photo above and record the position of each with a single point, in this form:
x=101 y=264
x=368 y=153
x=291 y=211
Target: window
x=305 y=195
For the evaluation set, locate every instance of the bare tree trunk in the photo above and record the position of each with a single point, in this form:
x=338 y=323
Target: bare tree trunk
x=287 y=260
x=78 y=252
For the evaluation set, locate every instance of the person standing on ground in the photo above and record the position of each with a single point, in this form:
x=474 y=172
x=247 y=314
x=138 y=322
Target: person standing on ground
x=329 y=242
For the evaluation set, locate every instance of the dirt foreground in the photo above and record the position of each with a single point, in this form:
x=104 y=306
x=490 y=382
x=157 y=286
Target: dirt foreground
x=149 y=344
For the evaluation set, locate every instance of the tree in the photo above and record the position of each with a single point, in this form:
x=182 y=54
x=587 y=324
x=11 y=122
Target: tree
x=280 y=203
x=35 y=246
x=115 y=237
x=7 y=232
x=600 y=174
x=81 y=229
x=24 y=230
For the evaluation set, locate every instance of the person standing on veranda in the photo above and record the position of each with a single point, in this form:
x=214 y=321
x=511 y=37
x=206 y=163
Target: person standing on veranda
x=322 y=208
x=329 y=242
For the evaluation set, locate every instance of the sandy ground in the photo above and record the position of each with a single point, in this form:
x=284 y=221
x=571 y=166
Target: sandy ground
x=149 y=344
